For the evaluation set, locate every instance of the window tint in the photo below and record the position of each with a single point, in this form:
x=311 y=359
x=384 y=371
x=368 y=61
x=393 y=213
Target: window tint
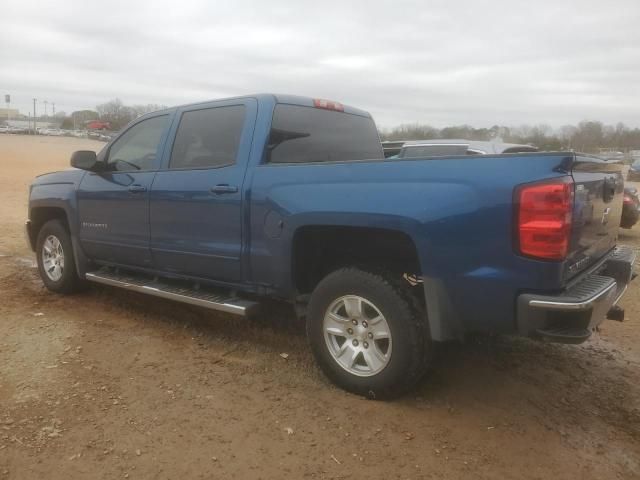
x=208 y=137
x=306 y=134
x=136 y=149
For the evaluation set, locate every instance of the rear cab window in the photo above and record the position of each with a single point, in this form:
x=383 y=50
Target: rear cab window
x=301 y=134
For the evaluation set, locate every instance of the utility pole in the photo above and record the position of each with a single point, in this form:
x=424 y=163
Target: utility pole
x=45 y=109
x=7 y=98
x=53 y=106
x=34 y=116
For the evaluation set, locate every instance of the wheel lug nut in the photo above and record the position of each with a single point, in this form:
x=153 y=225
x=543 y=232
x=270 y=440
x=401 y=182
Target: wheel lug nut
x=365 y=344
x=354 y=321
x=355 y=343
x=350 y=331
x=365 y=324
x=370 y=335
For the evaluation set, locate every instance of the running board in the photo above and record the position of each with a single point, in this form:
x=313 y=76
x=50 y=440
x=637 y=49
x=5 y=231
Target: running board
x=215 y=299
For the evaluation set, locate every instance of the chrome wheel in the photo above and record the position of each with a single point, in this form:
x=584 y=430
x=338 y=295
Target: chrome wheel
x=53 y=258
x=357 y=335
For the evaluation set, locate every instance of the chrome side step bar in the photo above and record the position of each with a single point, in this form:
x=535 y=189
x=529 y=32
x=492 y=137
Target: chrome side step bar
x=207 y=298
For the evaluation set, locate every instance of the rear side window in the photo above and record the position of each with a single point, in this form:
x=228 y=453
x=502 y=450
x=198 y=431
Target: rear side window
x=208 y=138
x=307 y=134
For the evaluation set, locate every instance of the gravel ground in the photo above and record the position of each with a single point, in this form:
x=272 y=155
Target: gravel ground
x=110 y=384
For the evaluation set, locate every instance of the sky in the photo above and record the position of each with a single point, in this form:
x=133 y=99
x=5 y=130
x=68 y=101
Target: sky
x=435 y=62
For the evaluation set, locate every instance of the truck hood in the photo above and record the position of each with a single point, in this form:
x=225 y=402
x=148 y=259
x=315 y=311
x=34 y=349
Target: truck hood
x=71 y=176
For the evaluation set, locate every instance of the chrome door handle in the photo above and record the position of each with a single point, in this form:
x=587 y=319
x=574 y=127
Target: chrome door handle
x=135 y=188
x=224 y=188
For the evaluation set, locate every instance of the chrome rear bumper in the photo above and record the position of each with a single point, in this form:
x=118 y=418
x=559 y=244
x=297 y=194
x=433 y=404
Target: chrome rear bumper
x=570 y=316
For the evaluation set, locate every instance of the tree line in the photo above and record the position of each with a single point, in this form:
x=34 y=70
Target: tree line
x=114 y=111
x=587 y=136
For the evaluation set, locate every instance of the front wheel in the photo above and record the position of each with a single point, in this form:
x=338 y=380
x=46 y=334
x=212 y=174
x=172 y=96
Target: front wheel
x=367 y=333
x=56 y=264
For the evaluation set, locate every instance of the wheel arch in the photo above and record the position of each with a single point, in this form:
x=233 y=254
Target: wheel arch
x=313 y=256
x=40 y=214
x=317 y=250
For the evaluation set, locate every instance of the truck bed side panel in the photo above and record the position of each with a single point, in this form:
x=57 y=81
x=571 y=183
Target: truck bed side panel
x=458 y=211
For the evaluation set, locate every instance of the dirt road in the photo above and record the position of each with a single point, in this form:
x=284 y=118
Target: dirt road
x=110 y=384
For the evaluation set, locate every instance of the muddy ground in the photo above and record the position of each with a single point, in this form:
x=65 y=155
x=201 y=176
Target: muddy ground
x=111 y=384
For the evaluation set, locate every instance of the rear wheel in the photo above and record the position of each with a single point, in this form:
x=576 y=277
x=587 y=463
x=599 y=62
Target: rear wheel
x=366 y=332
x=56 y=263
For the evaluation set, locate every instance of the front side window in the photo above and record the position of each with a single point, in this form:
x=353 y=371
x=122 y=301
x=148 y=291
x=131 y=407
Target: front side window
x=307 y=134
x=208 y=138
x=137 y=148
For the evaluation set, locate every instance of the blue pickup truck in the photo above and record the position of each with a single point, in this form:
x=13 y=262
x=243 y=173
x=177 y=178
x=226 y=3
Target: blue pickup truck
x=220 y=204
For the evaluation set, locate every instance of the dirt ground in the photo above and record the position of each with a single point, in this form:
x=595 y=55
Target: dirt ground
x=111 y=384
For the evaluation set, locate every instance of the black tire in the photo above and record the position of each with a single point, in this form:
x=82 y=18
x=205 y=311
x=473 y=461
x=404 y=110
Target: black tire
x=69 y=282
x=406 y=321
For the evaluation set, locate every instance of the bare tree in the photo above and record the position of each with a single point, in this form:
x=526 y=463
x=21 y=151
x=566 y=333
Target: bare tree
x=116 y=113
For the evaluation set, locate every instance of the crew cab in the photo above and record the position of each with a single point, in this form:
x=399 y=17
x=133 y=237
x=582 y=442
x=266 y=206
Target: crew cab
x=223 y=203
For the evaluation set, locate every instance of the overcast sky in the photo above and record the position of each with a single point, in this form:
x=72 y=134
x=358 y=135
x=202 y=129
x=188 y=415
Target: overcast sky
x=435 y=62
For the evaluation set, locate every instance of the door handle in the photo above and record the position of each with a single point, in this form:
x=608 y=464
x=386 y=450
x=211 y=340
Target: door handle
x=135 y=188
x=224 y=188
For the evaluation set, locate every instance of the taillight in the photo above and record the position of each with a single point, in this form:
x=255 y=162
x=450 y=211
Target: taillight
x=543 y=221
x=328 y=105
x=627 y=200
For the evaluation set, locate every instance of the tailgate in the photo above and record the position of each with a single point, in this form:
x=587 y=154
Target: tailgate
x=598 y=188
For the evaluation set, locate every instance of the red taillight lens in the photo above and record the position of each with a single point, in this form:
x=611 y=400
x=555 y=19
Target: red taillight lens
x=627 y=200
x=543 y=224
x=328 y=105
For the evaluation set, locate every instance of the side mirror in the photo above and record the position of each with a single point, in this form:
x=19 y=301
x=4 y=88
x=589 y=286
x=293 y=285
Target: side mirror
x=84 y=160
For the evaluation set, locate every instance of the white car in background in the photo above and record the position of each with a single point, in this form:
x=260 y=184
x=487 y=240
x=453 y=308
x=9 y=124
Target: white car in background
x=445 y=147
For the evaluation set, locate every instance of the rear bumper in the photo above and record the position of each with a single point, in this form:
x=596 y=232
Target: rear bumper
x=570 y=316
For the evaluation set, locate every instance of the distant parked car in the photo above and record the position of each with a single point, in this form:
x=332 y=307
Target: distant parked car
x=12 y=129
x=391 y=148
x=98 y=125
x=79 y=133
x=445 y=147
x=634 y=172
x=630 y=207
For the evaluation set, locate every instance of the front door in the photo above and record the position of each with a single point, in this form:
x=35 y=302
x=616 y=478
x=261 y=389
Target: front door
x=113 y=204
x=196 y=199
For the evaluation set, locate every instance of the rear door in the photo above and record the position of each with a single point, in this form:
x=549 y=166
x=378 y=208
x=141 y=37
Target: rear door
x=599 y=191
x=196 y=199
x=113 y=204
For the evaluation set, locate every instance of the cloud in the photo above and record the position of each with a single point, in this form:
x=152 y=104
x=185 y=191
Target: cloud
x=470 y=61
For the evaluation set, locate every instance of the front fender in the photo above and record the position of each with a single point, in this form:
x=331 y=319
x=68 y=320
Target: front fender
x=58 y=191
